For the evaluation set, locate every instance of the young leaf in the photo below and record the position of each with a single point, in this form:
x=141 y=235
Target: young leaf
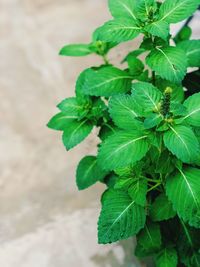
x=167 y=257
x=70 y=106
x=183 y=190
x=174 y=11
x=192 y=50
x=169 y=63
x=61 y=121
x=106 y=81
x=76 y=132
x=149 y=238
x=119 y=30
x=193 y=110
x=145 y=9
x=124 y=111
x=158 y=28
x=182 y=142
x=138 y=190
x=153 y=120
x=147 y=95
x=135 y=65
x=122 y=149
x=88 y=172
x=120 y=217
x=161 y=209
x=76 y=50
x=123 y=8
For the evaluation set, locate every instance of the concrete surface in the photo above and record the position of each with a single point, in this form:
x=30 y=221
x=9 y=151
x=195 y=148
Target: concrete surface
x=44 y=220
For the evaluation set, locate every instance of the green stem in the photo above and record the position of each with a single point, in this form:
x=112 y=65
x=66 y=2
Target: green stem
x=154 y=187
x=152 y=180
x=105 y=59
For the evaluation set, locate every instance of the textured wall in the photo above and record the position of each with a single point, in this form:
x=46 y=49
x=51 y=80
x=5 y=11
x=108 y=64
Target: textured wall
x=44 y=220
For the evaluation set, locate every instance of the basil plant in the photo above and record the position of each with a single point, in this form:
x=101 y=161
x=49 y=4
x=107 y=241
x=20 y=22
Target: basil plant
x=148 y=118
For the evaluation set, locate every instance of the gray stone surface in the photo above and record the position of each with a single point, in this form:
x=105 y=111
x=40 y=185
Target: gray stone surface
x=44 y=220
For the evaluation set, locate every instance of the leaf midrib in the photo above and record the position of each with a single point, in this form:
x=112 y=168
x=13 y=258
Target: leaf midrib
x=67 y=117
x=128 y=9
x=127 y=108
x=191 y=113
x=190 y=188
x=177 y=134
x=118 y=218
x=170 y=63
x=172 y=10
x=124 y=145
x=193 y=51
x=89 y=169
x=111 y=80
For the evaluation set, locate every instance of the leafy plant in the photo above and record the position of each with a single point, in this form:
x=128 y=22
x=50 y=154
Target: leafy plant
x=149 y=130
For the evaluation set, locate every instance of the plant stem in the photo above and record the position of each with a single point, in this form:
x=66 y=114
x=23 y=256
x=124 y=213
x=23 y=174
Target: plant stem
x=154 y=187
x=105 y=59
x=152 y=180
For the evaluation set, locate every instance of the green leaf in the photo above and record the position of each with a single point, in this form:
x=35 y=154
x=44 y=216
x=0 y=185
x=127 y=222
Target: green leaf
x=81 y=97
x=149 y=238
x=124 y=111
x=136 y=188
x=106 y=81
x=61 y=121
x=122 y=149
x=161 y=209
x=135 y=65
x=88 y=172
x=110 y=181
x=106 y=130
x=153 y=120
x=70 y=106
x=167 y=257
x=183 y=190
x=192 y=50
x=147 y=95
x=193 y=110
x=119 y=30
x=123 y=8
x=182 y=142
x=120 y=217
x=76 y=50
x=169 y=63
x=134 y=54
x=138 y=191
x=76 y=132
x=184 y=34
x=145 y=9
x=158 y=28
x=165 y=164
x=174 y=11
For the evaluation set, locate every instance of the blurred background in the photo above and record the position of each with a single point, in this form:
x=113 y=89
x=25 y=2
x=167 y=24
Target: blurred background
x=44 y=220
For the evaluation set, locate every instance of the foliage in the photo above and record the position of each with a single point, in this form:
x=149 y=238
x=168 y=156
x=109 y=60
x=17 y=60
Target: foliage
x=149 y=130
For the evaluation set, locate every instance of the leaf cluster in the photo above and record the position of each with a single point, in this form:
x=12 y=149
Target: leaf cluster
x=148 y=118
